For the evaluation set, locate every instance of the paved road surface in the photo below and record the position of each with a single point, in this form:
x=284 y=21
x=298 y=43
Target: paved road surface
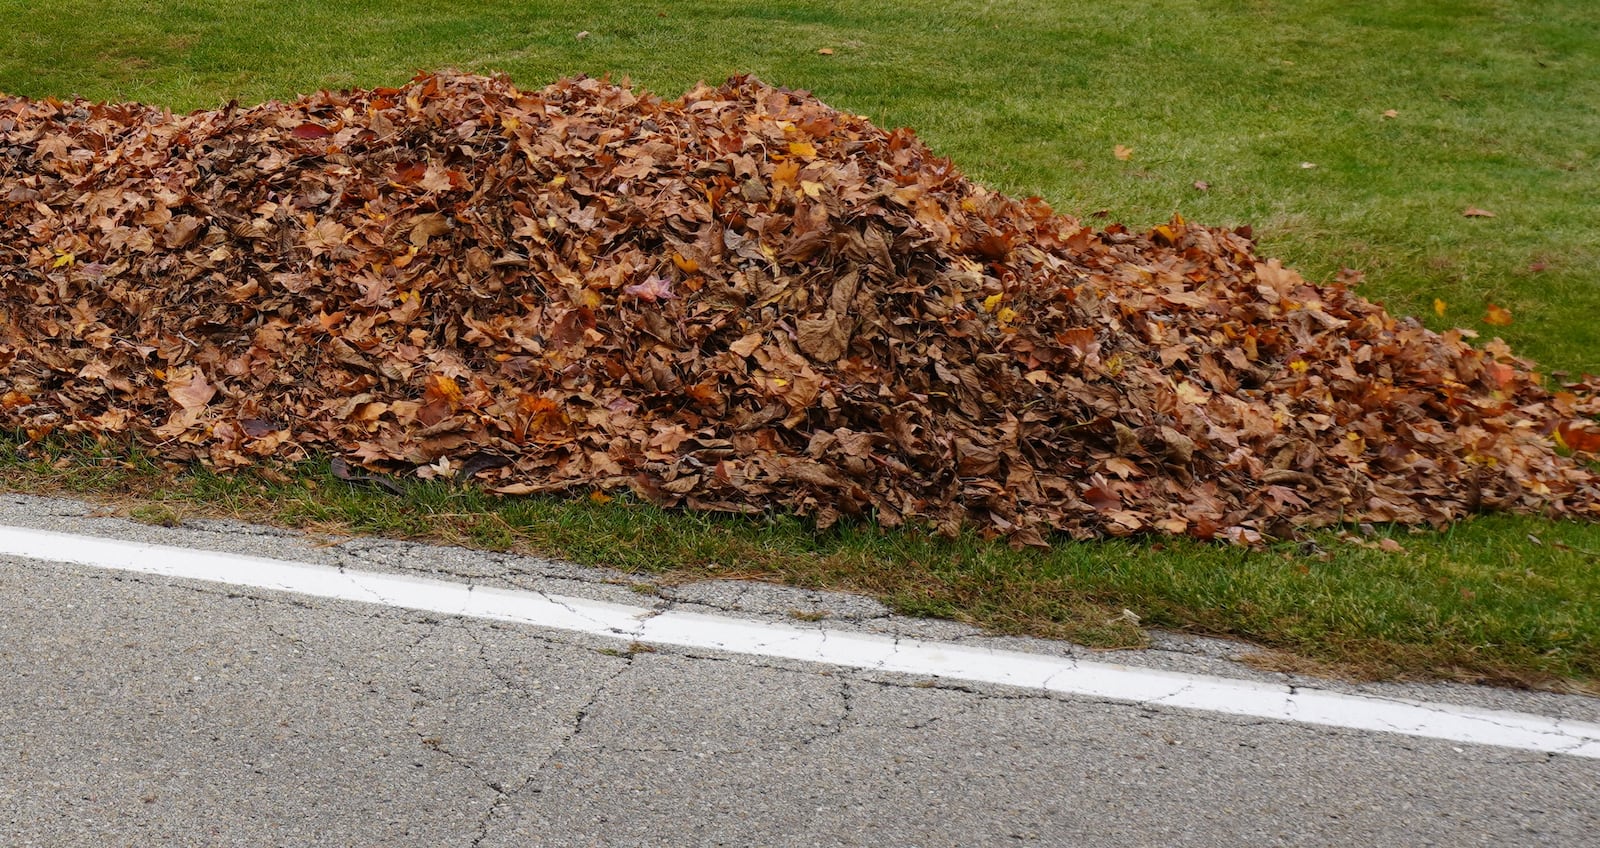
x=140 y=711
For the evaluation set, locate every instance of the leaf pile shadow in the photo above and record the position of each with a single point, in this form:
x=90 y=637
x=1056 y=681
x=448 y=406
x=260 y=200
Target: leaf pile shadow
x=732 y=301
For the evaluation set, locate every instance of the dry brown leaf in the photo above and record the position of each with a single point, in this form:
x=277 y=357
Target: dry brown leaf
x=762 y=302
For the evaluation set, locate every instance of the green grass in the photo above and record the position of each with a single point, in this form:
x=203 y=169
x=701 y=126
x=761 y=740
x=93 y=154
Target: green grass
x=1480 y=602
x=1498 y=107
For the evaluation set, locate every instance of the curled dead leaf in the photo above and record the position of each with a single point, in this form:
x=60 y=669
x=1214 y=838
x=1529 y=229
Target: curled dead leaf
x=1497 y=316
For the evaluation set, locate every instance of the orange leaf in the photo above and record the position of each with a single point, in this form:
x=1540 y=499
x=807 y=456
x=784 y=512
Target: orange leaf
x=1577 y=436
x=1475 y=212
x=438 y=387
x=1499 y=316
x=826 y=51
x=1123 y=153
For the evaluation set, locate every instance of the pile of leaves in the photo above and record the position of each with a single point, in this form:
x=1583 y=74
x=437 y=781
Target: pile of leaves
x=738 y=300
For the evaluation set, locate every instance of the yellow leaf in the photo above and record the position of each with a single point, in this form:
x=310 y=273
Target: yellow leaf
x=810 y=188
x=1438 y=307
x=992 y=302
x=64 y=259
x=1006 y=315
x=440 y=387
x=1498 y=316
x=803 y=149
x=685 y=264
x=600 y=498
x=786 y=173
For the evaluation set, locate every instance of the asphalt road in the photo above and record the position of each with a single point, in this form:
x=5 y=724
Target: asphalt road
x=138 y=711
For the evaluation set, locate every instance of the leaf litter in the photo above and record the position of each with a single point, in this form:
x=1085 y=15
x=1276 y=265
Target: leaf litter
x=737 y=300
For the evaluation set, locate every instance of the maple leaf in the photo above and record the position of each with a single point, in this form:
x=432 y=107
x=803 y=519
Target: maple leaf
x=1497 y=316
x=189 y=388
x=1122 y=153
x=652 y=289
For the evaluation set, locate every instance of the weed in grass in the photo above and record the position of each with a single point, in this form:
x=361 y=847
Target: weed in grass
x=156 y=514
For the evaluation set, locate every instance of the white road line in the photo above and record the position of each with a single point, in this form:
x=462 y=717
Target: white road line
x=833 y=647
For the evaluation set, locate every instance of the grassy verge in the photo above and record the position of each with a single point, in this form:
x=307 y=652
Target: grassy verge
x=1495 y=105
x=1481 y=602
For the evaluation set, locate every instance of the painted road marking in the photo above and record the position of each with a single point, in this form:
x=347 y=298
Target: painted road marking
x=833 y=647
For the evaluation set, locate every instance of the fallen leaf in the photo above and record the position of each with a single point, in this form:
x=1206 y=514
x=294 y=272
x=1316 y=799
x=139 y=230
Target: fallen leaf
x=652 y=290
x=1475 y=212
x=189 y=388
x=1391 y=113
x=1202 y=185
x=1122 y=152
x=1579 y=436
x=310 y=131
x=1497 y=316
x=1439 y=307
x=746 y=345
x=826 y=51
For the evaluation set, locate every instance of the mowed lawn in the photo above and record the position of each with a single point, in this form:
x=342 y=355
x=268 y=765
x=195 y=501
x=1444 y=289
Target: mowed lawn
x=1347 y=134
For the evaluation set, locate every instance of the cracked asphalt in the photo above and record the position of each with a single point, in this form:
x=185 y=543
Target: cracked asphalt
x=143 y=711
